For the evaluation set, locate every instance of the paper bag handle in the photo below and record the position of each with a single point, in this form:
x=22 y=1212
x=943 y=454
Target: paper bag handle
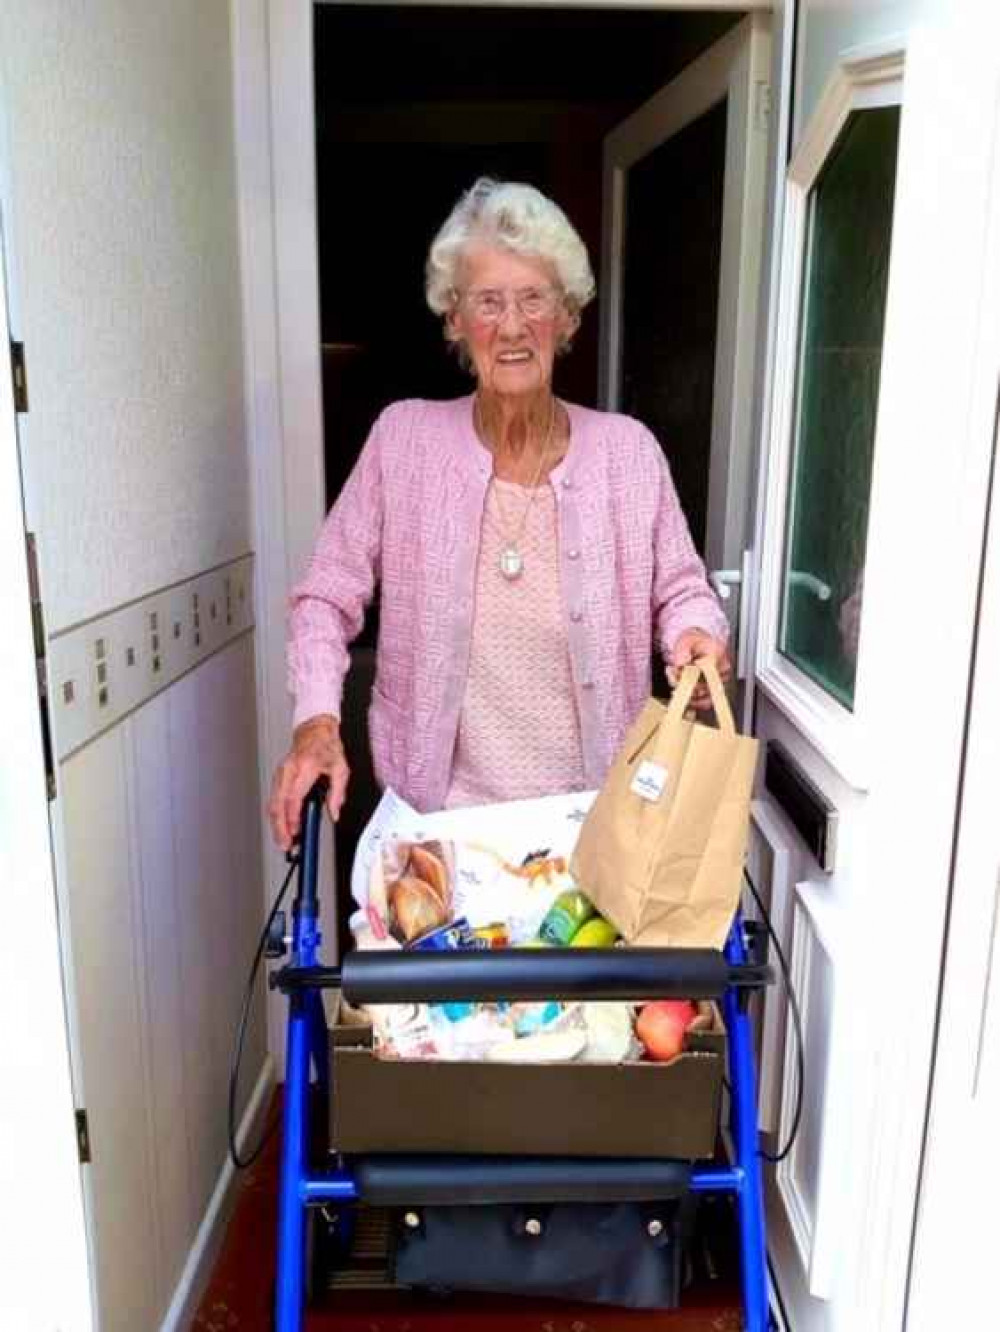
x=679 y=703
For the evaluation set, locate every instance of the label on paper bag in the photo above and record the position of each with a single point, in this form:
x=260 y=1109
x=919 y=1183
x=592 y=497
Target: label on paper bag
x=650 y=780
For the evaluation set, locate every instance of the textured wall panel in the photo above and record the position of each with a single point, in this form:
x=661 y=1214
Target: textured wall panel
x=125 y=254
x=154 y=823
x=113 y=1049
x=164 y=887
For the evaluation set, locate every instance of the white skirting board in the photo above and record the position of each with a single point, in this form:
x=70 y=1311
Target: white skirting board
x=204 y=1250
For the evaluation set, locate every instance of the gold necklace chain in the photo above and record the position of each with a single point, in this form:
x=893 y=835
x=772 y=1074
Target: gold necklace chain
x=511 y=559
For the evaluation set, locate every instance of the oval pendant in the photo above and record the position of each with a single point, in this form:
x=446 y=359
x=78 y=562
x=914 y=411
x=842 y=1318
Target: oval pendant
x=511 y=563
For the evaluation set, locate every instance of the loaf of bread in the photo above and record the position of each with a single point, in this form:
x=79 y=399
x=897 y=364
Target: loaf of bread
x=415 y=907
x=426 y=864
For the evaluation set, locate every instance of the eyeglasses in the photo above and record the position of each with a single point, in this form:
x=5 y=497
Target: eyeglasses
x=488 y=305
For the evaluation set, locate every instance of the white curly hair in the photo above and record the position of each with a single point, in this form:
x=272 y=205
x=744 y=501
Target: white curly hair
x=516 y=217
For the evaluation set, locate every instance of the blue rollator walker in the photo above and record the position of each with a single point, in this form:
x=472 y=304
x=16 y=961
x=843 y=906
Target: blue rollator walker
x=730 y=976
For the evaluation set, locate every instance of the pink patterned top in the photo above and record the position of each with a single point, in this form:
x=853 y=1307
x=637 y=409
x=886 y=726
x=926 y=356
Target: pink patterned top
x=410 y=518
x=519 y=665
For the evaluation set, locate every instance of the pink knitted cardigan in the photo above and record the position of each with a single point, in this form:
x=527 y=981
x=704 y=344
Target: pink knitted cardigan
x=409 y=519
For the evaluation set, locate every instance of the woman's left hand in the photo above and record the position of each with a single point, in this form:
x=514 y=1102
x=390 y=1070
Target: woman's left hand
x=694 y=645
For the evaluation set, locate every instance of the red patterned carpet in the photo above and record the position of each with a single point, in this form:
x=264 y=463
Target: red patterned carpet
x=239 y=1294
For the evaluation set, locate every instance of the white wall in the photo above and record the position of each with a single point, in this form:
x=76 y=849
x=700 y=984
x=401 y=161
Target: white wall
x=827 y=30
x=118 y=184
x=123 y=221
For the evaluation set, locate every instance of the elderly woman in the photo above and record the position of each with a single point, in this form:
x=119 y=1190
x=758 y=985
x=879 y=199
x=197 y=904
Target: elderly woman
x=529 y=552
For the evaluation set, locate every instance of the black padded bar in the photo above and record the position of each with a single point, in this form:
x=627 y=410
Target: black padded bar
x=399 y=1181
x=378 y=977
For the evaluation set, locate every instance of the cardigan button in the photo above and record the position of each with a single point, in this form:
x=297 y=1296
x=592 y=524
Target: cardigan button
x=588 y=684
x=567 y=483
x=576 y=616
x=573 y=554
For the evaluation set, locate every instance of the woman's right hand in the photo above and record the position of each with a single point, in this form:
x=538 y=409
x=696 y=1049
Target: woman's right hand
x=316 y=750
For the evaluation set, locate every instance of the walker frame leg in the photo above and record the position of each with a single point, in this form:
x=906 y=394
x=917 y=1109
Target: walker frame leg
x=746 y=1142
x=306 y=1046
x=290 y=1293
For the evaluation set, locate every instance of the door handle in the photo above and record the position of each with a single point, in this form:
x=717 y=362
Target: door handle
x=822 y=591
x=723 y=581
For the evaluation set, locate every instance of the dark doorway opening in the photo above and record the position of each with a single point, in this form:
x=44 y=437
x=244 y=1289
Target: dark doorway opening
x=412 y=104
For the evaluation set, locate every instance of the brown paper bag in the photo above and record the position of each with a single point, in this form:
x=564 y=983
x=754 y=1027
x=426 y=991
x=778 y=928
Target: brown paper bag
x=661 y=852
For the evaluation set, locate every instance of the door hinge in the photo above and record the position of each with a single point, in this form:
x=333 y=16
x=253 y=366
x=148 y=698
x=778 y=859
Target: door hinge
x=762 y=105
x=41 y=679
x=83 y=1137
x=19 y=374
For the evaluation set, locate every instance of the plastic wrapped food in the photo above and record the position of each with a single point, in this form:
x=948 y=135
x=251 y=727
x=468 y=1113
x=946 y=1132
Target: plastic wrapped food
x=522 y=1033
x=469 y=1036
x=525 y=1019
x=544 y=1047
x=610 y=1028
x=403 y=1031
x=489 y=888
x=411 y=890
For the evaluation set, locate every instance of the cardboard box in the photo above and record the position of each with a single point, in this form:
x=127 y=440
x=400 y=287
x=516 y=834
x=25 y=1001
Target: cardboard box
x=570 y=1109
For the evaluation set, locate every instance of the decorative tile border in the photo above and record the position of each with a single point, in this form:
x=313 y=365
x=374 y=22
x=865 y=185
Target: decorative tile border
x=103 y=669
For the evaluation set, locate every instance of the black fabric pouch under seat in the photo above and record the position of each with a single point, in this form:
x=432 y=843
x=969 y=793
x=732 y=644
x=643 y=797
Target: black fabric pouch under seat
x=601 y=1253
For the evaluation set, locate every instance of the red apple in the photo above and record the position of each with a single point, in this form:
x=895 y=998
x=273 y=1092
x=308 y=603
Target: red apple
x=661 y=1027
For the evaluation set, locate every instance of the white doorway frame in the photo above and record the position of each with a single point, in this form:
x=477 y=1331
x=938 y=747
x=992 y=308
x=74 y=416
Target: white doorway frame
x=735 y=70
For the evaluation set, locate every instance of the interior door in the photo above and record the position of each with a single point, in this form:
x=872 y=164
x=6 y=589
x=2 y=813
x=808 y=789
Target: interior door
x=684 y=189
x=41 y=1191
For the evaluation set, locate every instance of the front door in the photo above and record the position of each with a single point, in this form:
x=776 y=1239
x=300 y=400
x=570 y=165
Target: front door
x=871 y=508
x=684 y=190
x=810 y=719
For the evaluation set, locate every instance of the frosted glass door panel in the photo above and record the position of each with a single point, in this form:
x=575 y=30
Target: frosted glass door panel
x=840 y=354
